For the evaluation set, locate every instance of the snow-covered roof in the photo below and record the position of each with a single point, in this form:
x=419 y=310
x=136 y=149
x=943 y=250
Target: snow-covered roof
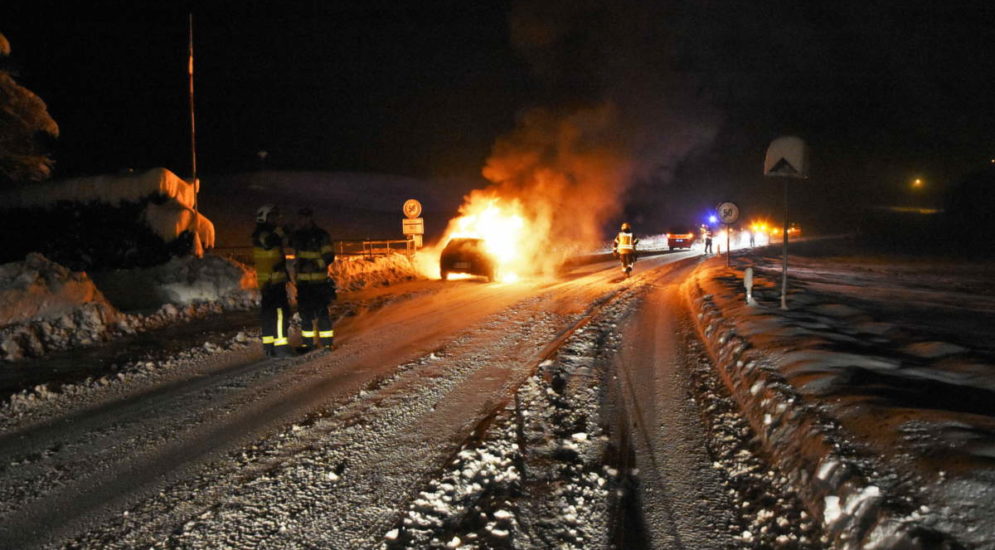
x=111 y=189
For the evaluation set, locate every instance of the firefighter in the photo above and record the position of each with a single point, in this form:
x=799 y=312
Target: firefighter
x=315 y=289
x=625 y=247
x=706 y=233
x=271 y=273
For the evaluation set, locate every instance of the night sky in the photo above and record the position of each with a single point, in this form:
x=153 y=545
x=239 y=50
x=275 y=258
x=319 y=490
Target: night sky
x=882 y=92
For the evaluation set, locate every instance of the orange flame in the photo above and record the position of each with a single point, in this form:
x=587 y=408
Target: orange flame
x=555 y=181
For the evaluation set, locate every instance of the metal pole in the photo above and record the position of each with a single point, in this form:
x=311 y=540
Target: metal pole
x=193 y=121
x=784 y=266
x=728 y=248
x=193 y=133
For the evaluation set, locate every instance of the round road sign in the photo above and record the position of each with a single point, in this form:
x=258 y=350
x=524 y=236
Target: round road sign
x=728 y=212
x=412 y=208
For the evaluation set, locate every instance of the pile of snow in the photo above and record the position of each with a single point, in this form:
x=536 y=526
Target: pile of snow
x=850 y=390
x=45 y=307
x=180 y=281
x=357 y=273
x=41 y=289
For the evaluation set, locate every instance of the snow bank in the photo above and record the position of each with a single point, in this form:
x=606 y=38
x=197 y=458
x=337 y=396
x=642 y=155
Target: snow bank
x=180 y=281
x=45 y=307
x=41 y=289
x=357 y=273
x=847 y=402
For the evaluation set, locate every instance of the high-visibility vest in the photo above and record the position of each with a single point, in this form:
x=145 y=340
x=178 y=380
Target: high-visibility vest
x=268 y=255
x=625 y=241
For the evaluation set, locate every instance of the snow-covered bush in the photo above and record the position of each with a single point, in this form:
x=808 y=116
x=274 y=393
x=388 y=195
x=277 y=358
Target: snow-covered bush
x=85 y=236
x=104 y=222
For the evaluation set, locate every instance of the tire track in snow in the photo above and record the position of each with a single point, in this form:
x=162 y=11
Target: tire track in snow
x=385 y=429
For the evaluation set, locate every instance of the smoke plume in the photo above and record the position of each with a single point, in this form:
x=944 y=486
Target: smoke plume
x=613 y=112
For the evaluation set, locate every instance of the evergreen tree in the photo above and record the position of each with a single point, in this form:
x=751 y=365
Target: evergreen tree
x=25 y=126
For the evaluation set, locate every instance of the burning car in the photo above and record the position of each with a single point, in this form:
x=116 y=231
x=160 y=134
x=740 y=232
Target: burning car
x=680 y=238
x=465 y=255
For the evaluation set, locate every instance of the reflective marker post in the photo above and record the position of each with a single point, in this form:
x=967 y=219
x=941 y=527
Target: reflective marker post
x=784 y=240
x=787 y=157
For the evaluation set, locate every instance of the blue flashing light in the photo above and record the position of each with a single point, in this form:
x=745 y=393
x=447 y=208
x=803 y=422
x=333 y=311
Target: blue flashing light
x=712 y=219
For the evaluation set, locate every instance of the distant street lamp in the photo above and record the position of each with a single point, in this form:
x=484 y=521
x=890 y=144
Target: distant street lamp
x=917 y=183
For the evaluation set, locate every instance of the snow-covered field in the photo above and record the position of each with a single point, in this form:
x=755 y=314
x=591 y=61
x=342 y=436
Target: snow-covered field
x=873 y=391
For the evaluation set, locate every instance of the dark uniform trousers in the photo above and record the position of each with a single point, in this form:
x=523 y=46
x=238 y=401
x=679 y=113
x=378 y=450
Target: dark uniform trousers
x=313 y=299
x=271 y=271
x=315 y=291
x=275 y=316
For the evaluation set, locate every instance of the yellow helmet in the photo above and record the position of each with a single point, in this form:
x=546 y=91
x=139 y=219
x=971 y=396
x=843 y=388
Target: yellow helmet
x=626 y=227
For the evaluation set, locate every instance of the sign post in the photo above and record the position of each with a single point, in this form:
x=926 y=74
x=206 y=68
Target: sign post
x=787 y=158
x=413 y=226
x=728 y=214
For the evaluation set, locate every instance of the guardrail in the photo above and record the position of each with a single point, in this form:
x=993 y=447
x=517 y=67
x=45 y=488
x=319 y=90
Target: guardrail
x=368 y=249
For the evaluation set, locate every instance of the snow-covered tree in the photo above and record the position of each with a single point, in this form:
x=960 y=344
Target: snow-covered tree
x=24 y=125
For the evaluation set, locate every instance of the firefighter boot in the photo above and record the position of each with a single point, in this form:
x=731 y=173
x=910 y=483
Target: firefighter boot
x=328 y=343
x=268 y=350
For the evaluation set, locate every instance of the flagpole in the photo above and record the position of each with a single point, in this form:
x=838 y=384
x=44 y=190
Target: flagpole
x=193 y=123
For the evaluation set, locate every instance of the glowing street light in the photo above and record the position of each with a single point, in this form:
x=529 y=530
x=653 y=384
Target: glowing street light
x=917 y=183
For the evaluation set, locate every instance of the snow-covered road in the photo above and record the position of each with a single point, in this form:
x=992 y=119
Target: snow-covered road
x=451 y=415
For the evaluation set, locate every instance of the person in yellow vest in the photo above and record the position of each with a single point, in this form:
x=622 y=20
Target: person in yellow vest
x=625 y=247
x=271 y=272
x=706 y=233
x=315 y=289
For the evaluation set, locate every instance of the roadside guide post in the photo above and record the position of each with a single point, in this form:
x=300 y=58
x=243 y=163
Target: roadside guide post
x=748 y=283
x=728 y=214
x=413 y=226
x=787 y=158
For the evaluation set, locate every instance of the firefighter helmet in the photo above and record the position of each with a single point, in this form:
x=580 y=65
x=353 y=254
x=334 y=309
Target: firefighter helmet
x=626 y=227
x=264 y=213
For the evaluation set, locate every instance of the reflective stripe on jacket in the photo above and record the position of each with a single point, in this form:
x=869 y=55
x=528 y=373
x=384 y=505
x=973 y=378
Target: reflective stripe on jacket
x=313 y=254
x=625 y=242
x=268 y=255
